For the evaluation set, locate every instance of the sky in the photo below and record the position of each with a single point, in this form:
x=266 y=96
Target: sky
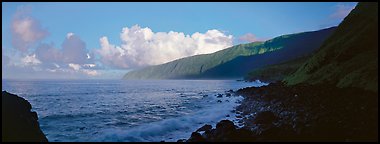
x=99 y=40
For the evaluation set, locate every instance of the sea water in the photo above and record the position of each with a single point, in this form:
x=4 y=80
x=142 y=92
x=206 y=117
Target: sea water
x=126 y=110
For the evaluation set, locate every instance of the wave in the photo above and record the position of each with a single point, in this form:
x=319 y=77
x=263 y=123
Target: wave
x=172 y=129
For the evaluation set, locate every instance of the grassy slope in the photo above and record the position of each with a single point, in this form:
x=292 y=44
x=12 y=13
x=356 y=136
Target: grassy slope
x=349 y=58
x=276 y=72
x=194 y=64
x=233 y=59
x=296 y=46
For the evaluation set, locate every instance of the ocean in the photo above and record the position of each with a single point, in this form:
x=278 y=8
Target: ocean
x=126 y=110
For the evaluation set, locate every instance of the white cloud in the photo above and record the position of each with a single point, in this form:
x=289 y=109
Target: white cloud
x=73 y=57
x=142 y=46
x=25 y=30
x=89 y=72
x=74 y=50
x=72 y=60
x=74 y=66
x=341 y=11
x=69 y=35
x=30 y=60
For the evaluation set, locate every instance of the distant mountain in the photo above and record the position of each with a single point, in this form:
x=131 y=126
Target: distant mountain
x=237 y=61
x=349 y=58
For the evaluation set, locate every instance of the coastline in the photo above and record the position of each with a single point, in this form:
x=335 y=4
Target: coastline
x=298 y=113
x=19 y=123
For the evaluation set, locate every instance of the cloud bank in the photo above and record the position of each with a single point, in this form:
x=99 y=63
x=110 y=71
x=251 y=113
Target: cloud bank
x=139 y=47
x=142 y=46
x=38 y=59
x=25 y=30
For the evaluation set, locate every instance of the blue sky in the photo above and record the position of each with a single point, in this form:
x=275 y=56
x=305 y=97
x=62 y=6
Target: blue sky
x=233 y=22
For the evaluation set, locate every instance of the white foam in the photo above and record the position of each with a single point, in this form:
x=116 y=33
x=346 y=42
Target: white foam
x=173 y=129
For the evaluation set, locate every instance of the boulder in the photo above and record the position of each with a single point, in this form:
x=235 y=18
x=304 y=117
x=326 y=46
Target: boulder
x=205 y=127
x=196 y=137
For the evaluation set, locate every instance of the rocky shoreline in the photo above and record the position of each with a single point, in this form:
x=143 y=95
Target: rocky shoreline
x=298 y=113
x=19 y=123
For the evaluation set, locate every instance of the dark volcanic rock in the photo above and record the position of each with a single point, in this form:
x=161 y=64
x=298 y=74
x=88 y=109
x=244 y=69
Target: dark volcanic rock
x=196 y=137
x=225 y=125
x=225 y=131
x=206 y=127
x=265 y=117
x=302 y=112
x=19 y=124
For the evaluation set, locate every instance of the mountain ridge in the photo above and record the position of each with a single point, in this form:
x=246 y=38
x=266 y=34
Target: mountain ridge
x=207 y=66
x=349 y=58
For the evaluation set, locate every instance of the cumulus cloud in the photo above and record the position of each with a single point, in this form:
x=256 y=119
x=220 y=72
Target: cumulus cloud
x=72 y=57
x=74 y=66
x=142 y=46
x=341 y=11
x=25 y=30
x=69 y=35
x=48 y=53
x=79 y=68
x=74 y=50
x=30 y=60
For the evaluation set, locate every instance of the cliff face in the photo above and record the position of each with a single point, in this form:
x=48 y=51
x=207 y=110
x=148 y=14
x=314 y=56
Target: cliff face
x=19 y=124
x=349 y=58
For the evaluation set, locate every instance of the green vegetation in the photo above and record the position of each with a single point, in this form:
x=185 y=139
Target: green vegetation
x=195 y=64
x=276 y=72
x=349 y=58
x=236 y=61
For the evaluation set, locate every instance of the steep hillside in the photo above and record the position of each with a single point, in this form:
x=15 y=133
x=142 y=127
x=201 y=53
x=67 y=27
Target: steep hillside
x=276 y=72
x=236 y=61
x=349 y=58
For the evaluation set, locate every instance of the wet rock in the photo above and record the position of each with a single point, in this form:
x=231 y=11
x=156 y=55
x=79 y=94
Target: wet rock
x=317 y=113
x=181 y=140
x=228 y=95
x=219 y=101
x=265 y=117
x=225 y=125
x=19 y=124
x=205 y=127
x=196 y=137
